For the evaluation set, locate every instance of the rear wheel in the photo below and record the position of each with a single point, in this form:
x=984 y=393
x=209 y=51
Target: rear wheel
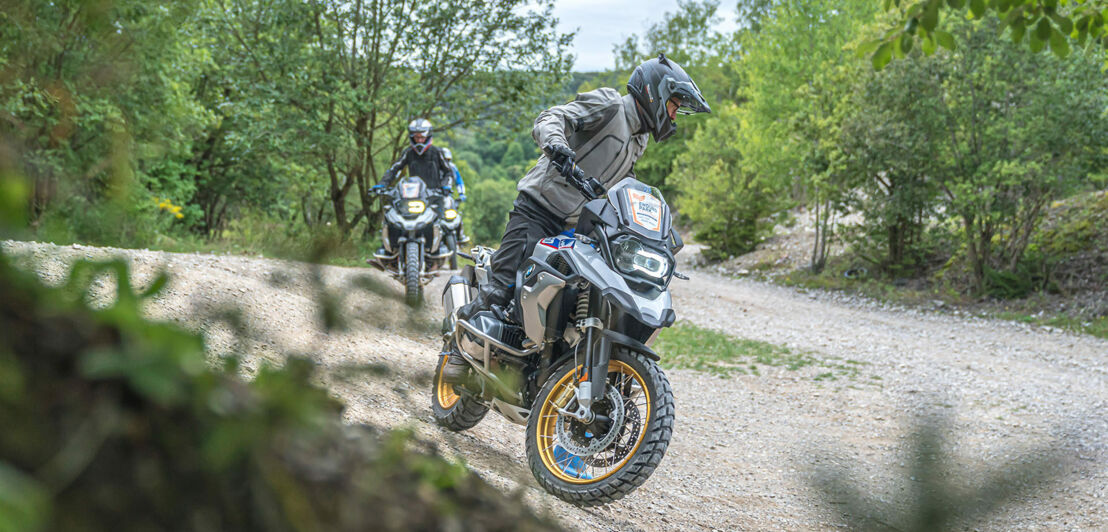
x=413 y=290
x=598 y=463
x=453 y=410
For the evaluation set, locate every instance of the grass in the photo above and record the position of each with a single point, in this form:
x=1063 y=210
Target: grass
x=885 y=290
x=258 y=237
x=1096 y=326
x=688 y=346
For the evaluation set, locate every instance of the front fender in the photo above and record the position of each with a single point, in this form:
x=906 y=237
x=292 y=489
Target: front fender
x=620 y=339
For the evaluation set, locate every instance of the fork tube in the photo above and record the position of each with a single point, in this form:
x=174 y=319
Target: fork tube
x=599 y=348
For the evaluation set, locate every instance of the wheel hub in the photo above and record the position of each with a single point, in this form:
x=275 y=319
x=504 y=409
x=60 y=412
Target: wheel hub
x=588 y=439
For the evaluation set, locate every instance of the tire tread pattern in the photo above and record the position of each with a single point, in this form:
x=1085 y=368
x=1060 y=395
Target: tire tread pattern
x=634 y=473
x=413 y=290
x=465 y=414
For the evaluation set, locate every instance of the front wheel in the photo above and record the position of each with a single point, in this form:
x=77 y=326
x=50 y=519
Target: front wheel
x=452 y=244
x=413 y=290
x=598 y=463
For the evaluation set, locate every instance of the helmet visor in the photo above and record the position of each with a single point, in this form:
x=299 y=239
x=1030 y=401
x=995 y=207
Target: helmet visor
x=685 y=94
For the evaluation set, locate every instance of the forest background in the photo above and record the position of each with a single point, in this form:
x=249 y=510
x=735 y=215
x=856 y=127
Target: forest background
x=974 y=159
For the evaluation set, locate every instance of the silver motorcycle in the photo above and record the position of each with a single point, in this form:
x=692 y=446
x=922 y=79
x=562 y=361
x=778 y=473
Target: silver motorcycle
x=452 y=234
x=412 y=237
x=570 y=356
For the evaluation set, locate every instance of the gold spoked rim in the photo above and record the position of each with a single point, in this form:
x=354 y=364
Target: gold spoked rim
x=588 y=469
x=444 y=391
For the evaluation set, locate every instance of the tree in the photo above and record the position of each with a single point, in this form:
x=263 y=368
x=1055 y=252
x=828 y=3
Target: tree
x=686 y=36
x=999 y=132
x=889 y=139
x=1041 y=21
x=1023 y=129
x=792 y=103
x=348 y=75
x=724 y=200
x=92 y=99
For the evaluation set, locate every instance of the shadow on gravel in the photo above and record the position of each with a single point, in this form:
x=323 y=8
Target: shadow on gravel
x=941 y=492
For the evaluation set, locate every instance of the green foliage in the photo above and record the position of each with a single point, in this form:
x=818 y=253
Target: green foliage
x=486 y=213
x=1015 y=142
x=798 y=85
x=1042 y=22
x=113 y=422
x=727 y=204
x=891 y=186
x=233 y=107
x=94 y=98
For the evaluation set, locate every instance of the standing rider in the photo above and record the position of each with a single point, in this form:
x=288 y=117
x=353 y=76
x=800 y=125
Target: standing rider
x=457 y=175
x=422 y=160
x=601 y=132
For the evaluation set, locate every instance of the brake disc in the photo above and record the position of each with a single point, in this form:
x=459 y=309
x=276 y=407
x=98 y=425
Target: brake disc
x=632 y=425
x=593 y=443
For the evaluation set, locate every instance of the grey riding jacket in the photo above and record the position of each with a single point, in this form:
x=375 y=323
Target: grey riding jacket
x=600 y=126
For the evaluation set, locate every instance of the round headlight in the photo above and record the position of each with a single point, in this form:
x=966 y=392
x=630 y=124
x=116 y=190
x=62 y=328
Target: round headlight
x=416 y=206
x=450 y=214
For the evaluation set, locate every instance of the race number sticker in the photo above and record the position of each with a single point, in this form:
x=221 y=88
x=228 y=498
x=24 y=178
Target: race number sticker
x=646 y=210
x=409 y=190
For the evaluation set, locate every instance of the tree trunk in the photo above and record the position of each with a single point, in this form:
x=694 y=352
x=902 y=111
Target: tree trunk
x=977 y=271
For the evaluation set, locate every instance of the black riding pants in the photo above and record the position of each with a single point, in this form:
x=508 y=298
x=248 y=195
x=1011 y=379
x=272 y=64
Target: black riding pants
x=528 y=223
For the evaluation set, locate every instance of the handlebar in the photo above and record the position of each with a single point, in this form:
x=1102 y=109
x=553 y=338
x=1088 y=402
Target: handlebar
x=588 y=186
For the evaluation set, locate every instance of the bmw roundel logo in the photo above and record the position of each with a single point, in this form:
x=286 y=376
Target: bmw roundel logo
x=530 y=270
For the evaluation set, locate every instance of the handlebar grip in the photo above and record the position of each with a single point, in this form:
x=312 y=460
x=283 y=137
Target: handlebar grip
x=588 y=186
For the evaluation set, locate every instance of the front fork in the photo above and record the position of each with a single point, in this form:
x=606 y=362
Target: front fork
x=598 y=351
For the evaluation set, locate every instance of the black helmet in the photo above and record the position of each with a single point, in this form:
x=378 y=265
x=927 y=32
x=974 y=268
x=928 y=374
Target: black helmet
x=421 y=126
x=654 y=83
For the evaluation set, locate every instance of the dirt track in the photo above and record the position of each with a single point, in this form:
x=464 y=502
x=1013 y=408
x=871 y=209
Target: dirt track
x=745 y=448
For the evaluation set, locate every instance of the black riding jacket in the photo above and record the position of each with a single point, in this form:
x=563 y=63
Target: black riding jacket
x=431 y=166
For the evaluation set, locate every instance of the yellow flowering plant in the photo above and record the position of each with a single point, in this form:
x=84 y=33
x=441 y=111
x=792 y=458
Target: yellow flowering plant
x=168 y=206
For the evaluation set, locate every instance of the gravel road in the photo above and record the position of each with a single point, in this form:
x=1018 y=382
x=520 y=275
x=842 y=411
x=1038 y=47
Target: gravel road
x=746 y=449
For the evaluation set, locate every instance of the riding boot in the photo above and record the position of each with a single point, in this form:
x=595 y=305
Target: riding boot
x=454 y=372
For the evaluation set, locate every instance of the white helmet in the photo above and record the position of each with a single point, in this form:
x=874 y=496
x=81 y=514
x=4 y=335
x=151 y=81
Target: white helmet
x=421 y=126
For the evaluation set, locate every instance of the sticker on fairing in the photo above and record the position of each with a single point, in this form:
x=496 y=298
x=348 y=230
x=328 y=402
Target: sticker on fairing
x=558 y=242
x=409 y=190
x=646 y=210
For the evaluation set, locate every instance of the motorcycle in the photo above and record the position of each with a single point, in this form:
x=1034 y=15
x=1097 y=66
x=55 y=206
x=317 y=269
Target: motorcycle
x=452 y=228
x=412 y=237
x=570 y=356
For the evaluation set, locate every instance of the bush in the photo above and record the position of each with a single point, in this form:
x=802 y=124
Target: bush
x=728 y=206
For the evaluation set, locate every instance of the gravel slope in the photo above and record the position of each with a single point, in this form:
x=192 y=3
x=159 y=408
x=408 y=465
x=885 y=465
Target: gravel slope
x=745 y=448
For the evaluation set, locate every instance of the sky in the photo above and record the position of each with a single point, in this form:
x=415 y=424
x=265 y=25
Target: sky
x=603 y=23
